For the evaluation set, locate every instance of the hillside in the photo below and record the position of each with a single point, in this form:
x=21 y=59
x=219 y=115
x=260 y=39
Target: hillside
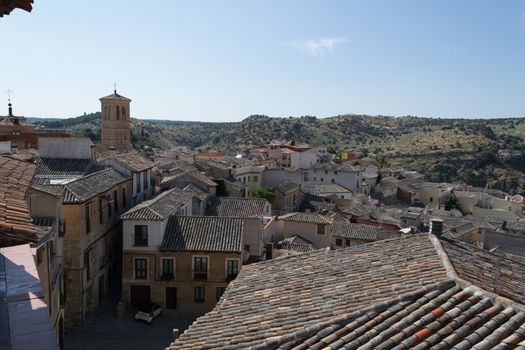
x=442 y=149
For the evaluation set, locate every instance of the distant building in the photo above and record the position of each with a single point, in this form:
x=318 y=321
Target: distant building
x=116 y=122
x=17 y=130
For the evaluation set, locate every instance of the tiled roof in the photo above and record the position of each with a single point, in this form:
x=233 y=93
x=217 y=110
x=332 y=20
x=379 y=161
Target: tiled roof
x=203 y=234
x=486 y=270
x=276 y=299
x=296 y=243
x=87 y=187
x=443 y=316
x=62 y=169
x=115 y=96
x=15 y=217
x=355 y=231
x=134 y=161
x=194 y=175
x=195 y=191
x=288 y=187
x=160 y=207
x=312 y=218
x=237 y=207
x=54 y=190
x=516 y=225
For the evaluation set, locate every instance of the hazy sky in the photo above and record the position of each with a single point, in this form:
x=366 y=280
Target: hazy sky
x=224 y=60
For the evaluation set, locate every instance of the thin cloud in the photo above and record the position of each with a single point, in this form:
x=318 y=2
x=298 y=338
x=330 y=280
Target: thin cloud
x=318 y=47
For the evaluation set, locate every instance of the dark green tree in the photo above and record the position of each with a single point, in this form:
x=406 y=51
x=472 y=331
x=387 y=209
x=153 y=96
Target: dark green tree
x=221 y=189
x=263 y=192
x=452 y=203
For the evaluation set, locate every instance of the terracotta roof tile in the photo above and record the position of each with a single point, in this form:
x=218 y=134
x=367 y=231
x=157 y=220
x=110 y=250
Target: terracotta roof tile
x=159 y=207
x=392 y=294
x=87 y=187
x=15 y=217
x=203 y=233
x=237 y=207
x=313 y=218
x=276 y=300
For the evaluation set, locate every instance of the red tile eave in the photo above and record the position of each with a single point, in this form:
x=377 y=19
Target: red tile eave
x=15 y=179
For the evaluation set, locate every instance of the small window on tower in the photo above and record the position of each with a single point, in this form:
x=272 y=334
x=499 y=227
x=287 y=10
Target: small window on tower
x=118 y=112
x=123 y=113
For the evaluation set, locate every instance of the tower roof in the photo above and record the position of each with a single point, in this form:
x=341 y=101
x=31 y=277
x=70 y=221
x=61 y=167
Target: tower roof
x=115 y=96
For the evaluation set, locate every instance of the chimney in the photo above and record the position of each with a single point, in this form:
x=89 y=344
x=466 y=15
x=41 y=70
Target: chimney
x=436 y=227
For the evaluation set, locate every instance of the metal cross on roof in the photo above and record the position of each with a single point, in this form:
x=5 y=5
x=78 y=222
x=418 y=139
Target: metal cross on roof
x=9 y=92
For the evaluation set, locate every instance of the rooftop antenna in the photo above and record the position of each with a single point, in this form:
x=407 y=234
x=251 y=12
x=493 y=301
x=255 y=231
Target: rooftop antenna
x=9 y=92
x=115 y=87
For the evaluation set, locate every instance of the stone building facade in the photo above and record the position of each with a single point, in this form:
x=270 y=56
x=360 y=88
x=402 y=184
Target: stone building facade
x=92 y=235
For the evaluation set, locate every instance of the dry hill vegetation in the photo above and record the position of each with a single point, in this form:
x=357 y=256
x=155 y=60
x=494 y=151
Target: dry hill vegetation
x=455 y=150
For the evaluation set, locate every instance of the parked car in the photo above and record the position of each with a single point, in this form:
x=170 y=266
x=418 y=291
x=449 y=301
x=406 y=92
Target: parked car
x=148 y=312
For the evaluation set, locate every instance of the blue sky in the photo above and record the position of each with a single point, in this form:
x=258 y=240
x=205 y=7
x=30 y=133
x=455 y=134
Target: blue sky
x=225 y=60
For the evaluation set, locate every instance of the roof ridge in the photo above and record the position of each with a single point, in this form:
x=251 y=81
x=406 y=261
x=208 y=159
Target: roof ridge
x=452 y=274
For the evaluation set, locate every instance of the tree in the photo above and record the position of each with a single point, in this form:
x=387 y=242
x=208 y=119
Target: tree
x=263 y=192
x=383 y=163
x=221 y=189
x=452 y=203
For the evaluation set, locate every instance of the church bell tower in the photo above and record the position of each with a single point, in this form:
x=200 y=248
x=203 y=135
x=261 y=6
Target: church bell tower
x=116 y=122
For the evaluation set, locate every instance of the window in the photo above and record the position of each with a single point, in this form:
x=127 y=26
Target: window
x=200 y=268
x=100 y=211
x=141 y=235
x=146 y=182
x=333 y=180
x=431 y=199
x=322 y=179
x=168 y=272
x=110 y=207
x=87 y=263
x=137 y=182
x=339 y=242
x=118 y=112
x=347 y=242
x=232 y=268
x=88 y=217
x=115 y=200
x=123 y=113
x=220 y=292
x=141 y=268
x=199 y=295
x=255 y=178
x=124 y=204
x=320 y=229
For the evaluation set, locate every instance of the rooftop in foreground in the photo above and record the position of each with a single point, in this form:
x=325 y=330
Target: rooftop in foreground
x=403 y=293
